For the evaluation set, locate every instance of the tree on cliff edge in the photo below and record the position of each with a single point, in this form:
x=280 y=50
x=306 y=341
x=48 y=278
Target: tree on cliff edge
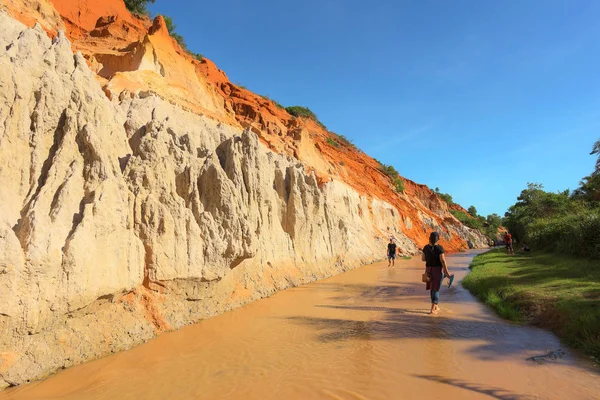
x=138 y=6
x=473 y=211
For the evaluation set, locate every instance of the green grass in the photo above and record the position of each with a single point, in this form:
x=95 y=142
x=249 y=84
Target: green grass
x=332 y=142
x=550 y=290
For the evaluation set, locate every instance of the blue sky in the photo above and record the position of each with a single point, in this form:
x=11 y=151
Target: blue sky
x=474 y=97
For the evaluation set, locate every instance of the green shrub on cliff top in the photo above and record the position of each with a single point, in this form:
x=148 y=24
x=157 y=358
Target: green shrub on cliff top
x=138 y=6
x=304 y=112
x=464 y=219
x=399 y=185
x=447 y=198
x=389 y=170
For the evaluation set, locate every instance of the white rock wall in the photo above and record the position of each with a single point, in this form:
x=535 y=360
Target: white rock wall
x=121 y=220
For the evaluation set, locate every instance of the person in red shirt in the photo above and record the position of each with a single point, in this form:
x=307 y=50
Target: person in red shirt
x=508 y=243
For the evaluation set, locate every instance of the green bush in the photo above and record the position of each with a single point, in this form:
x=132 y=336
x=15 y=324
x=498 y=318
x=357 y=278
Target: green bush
x=332 y=142
x=473 y=211
x=138 y=6
x=391 y=173
x=447 y=198
x=576 y=234
x=304 y=112
x=562 y=222
x=492 y=223
x=474 y=223
x=197 y=56
x=399 y=185
x=389 y=170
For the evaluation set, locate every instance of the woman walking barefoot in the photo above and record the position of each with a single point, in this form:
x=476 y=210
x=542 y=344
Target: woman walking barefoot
x=436 y=268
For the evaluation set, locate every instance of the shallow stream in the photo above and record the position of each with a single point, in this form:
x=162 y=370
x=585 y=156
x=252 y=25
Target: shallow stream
x=364 y=334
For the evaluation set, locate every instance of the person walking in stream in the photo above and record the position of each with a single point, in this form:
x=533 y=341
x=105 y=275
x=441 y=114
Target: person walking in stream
x=391 y=252
x=436 y=269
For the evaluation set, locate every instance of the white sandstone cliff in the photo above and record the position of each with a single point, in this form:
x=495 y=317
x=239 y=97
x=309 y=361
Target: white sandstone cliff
x=123 y=219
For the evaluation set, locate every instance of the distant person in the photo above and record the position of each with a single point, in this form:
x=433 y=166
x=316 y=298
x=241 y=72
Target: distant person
x=391 y=252
x=436 y=268
x=508 y=242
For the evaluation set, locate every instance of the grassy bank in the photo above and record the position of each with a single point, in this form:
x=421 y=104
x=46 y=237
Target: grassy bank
x=553 y=291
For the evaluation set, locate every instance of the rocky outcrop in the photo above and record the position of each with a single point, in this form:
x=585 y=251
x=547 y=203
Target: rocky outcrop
x=142 y=191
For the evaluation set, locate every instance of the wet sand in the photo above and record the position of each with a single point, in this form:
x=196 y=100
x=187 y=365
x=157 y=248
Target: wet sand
x=364 y=334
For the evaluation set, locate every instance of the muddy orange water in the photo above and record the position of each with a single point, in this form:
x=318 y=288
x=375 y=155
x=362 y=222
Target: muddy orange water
x=361 y=335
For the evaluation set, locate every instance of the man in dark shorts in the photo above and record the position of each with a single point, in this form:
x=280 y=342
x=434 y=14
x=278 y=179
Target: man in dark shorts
x=391 y=252
x=508 y=242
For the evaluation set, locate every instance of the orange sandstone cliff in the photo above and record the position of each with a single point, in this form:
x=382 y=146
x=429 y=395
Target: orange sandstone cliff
x=142 y=190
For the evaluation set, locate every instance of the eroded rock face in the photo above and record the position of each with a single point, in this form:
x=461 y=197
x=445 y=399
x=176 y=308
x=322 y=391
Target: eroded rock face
x=60 y=181
x=122 y=219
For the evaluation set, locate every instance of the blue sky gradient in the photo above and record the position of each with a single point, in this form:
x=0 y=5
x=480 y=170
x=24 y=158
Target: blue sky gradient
x=474 y=97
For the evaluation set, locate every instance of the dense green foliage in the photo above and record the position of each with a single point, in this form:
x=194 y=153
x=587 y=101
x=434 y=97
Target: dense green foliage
x=138 y=6
x=492 y=223
x=576 y=233
x=389 y=170
x=494 y=220
x=304 y=112
x=563 y=222
x=394 y=176
x=555 y=291
x=488 y=226
x=445 y=196
x=589 y=188
x=475 y=223
x=399 y=185
x=555 y=221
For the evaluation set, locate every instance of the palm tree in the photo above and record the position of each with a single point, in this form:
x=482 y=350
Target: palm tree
x=596 y=150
